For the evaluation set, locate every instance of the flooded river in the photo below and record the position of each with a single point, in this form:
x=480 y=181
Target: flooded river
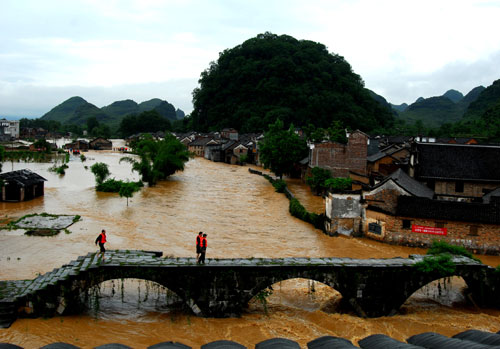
x=243 y=217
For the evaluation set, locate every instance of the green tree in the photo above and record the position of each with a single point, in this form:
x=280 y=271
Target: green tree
x=336 y=132
x=102 y=130
x=281 y=149
x=100 y=171
x=339 y=183
x=158 y=159
x=317 y=179
x=128 y=189
x=43 y=145
x=92 y=123
x=148 y=121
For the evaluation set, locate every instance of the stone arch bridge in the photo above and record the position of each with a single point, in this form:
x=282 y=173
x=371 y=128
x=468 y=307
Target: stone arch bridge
x=223 y=287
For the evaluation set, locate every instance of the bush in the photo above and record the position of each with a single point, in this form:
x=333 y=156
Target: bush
x=60 y=170
x=297 y=210
x=279 y=185
x=339 y=183
x=317 y=181
x=113 y=185
x=439 y=264
x=440 y=247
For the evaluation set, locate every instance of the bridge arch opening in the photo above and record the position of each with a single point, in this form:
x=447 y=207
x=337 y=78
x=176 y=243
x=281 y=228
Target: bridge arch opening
x=296 y=294
x=445 y=292
x=130 y=298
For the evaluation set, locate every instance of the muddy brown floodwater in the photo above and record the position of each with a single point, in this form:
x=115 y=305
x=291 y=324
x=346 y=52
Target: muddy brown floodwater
x=243 y=217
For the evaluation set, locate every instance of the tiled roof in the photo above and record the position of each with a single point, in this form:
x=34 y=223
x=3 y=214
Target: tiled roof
x=494 y=194
x=409 y=184
x=22 y=177
x=200 y=141
x=458 y=162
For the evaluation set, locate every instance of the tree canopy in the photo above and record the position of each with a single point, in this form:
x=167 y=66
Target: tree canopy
x=158 y=159
x=271 y=76
x=281 y=149
x=148 y=121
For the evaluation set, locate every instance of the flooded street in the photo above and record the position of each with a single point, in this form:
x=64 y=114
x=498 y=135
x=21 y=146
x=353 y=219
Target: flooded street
x=243 y=217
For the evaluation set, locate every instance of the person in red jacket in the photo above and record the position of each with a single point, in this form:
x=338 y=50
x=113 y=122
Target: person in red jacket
x=204 y=245
x=101 y=239
x=198 y=245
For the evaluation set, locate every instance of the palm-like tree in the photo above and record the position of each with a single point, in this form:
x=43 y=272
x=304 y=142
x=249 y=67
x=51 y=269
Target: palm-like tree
x=158 y=159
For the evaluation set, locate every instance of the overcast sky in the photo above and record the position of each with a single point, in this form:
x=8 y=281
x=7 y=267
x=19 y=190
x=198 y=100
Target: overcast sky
x=105 y=50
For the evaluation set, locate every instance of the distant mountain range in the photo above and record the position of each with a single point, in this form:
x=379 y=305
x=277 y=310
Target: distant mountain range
x=77 y=110
x=451 y=107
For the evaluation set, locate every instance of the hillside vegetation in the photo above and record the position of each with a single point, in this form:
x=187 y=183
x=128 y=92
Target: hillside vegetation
x=77 y=111
x=440 y=110
x=298 y=81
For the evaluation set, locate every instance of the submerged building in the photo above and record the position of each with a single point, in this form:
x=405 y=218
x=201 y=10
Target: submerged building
x=21 y=185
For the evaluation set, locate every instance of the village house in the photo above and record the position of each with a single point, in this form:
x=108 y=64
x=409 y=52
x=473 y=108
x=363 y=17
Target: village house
x=78 y=144
x=400 y=210
x=186 y=138
x=343 y=213
x=454 y=171
x=234 y=152
x=229 y=133
x=197 y=146
x=21 y=185
x=340 y=158
x=386 y=161
x=100 y=143
x=213 y=152
x=9 y=130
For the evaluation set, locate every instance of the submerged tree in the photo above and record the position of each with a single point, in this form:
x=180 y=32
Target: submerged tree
x=100 y=171
x=127 y=189
x=158 y=159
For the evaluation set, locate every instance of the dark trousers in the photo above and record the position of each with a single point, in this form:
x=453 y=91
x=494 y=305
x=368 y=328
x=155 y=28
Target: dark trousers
x=202 y=255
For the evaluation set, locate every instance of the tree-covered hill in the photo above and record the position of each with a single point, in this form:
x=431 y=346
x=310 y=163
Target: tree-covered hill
x=77 y=111
x=454 y=95
x=436 y=111
x=487 y=99
x=433 y=111
x=74 y=110
x=119 y=108
x=298 y=81
x=399 y=107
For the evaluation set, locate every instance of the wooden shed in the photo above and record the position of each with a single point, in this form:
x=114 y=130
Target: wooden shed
x=21 y=185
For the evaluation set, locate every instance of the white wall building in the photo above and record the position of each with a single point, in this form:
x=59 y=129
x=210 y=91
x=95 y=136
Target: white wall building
x=9 y=129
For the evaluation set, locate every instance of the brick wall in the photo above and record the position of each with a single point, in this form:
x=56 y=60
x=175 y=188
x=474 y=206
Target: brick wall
x=482 y=238
x=338 y=158
x=386 y=200
x=470 y=188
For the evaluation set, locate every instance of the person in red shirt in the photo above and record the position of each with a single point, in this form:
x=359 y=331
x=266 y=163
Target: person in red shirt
x=101 y=239
x=204 y=245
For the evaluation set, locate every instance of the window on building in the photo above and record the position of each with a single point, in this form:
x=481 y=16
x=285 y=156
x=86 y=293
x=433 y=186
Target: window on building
x=459 y=187
x=406 y=224
x=431 y=184
x=473 y=230
x=375 y=228
x=440 y=224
